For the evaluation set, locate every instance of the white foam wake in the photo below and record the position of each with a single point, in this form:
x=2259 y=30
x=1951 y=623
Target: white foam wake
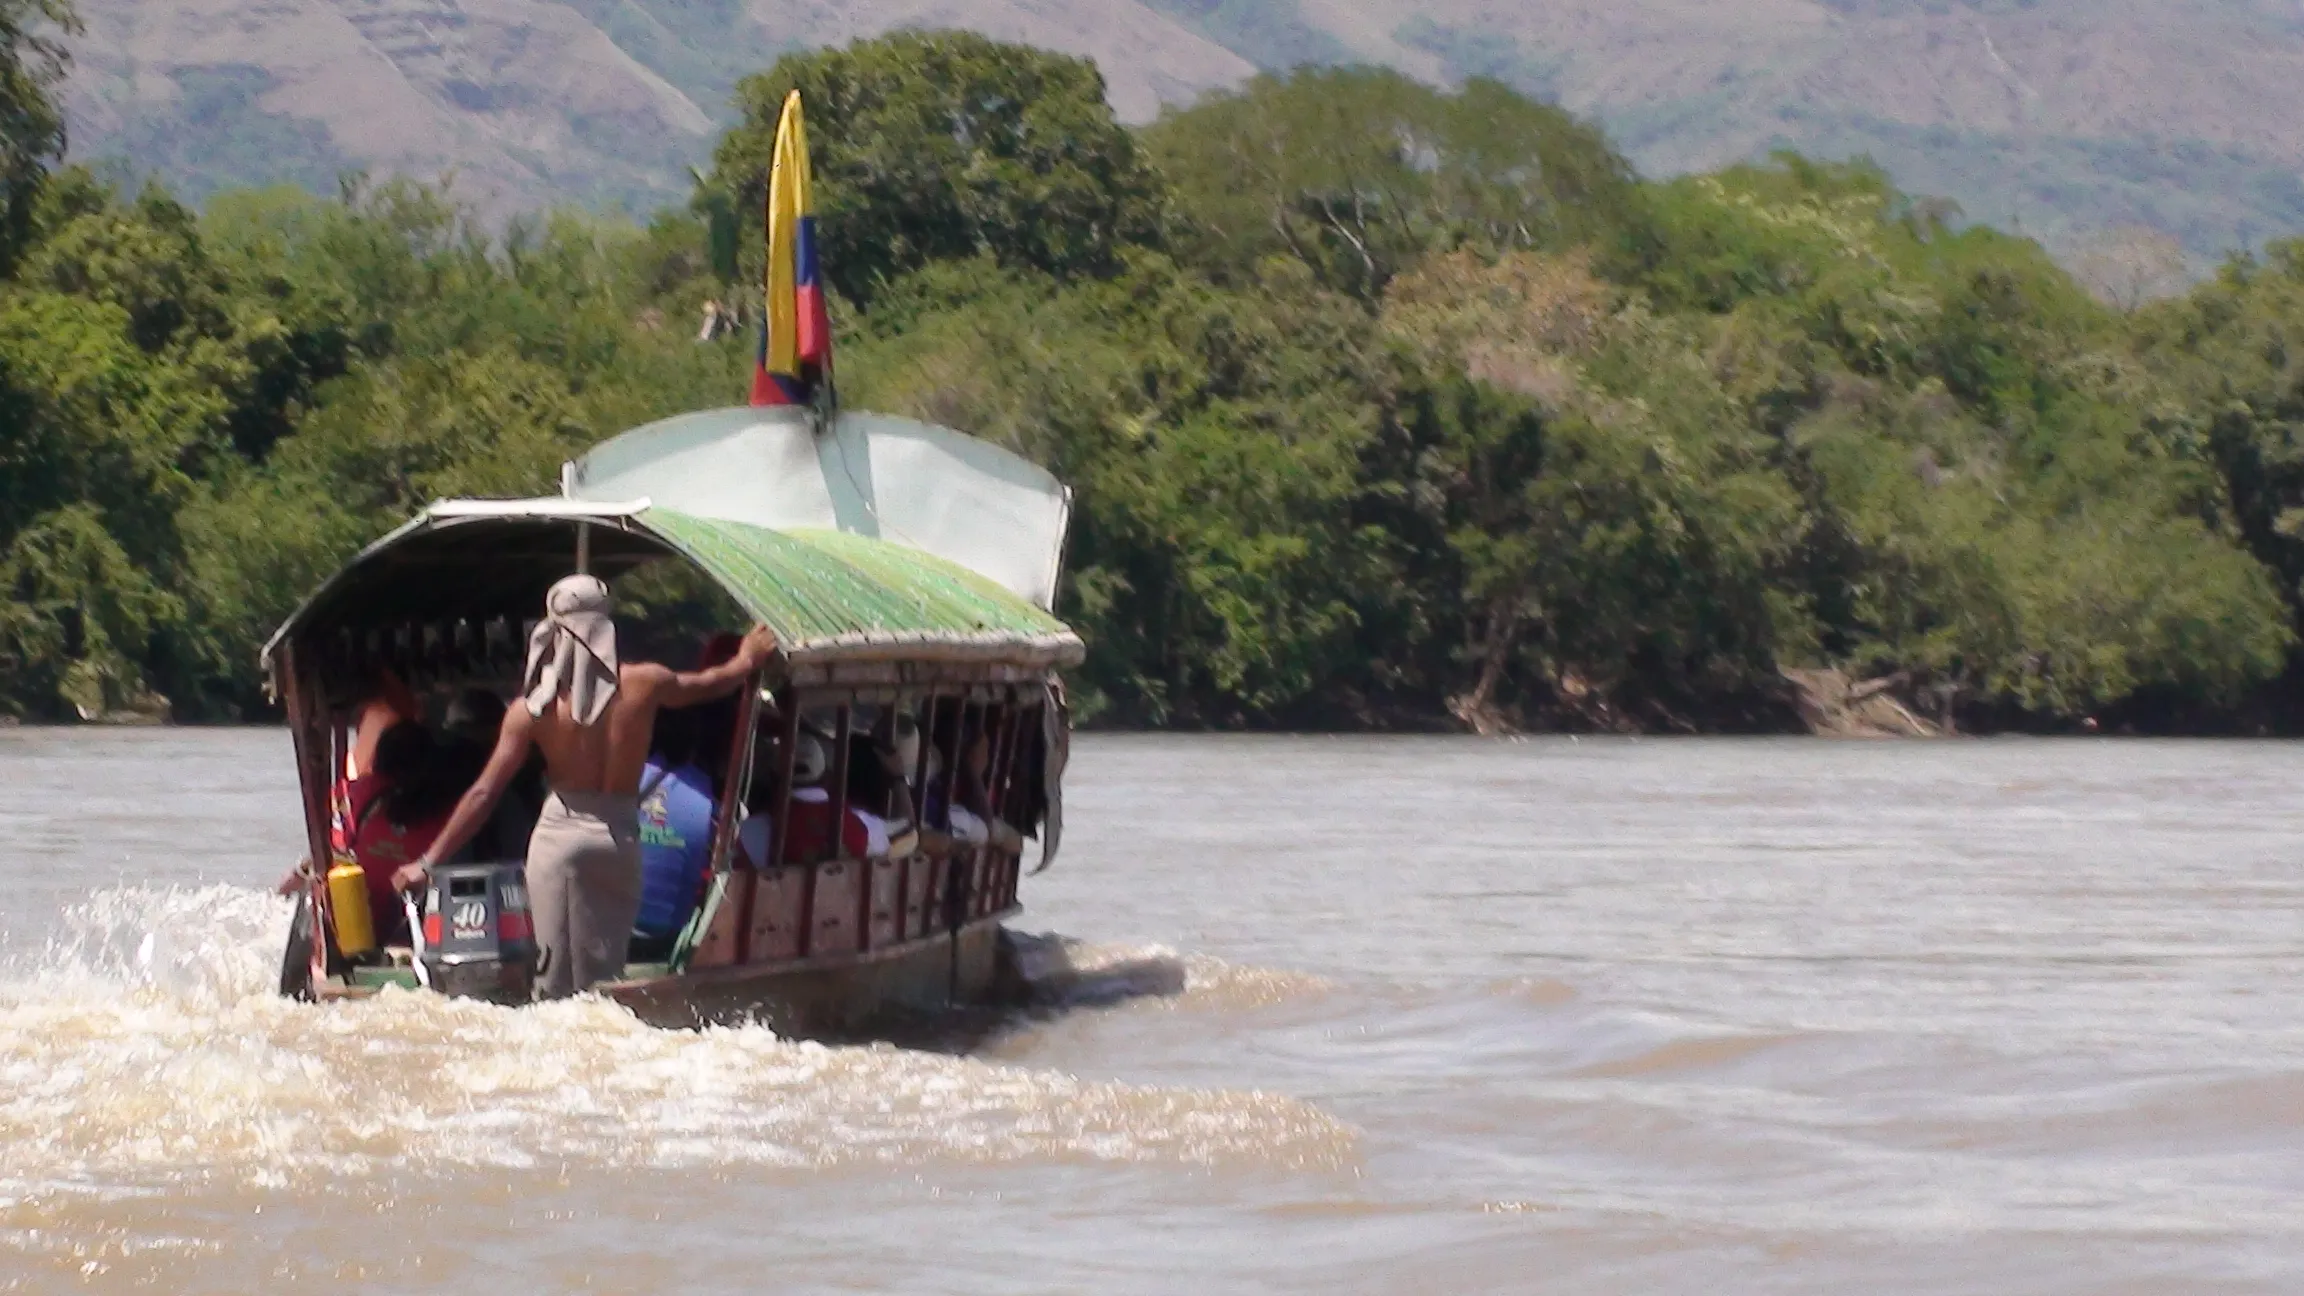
x=1066 y=971
x=144 y=1042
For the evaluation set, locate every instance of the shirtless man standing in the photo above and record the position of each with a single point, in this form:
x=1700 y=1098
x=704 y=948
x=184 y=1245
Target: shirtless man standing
x=593 y=717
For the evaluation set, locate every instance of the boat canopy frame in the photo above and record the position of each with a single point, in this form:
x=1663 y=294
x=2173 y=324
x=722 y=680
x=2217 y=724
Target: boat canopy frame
x=470 y=576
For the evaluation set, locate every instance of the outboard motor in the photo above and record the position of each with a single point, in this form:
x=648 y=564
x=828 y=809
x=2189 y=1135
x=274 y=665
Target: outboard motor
x=479 y=940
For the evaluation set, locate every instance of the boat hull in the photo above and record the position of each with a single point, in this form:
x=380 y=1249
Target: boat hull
x=837 y=995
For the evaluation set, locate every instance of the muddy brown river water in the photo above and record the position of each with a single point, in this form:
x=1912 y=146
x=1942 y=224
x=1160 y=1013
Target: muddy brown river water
x=1373 y=1015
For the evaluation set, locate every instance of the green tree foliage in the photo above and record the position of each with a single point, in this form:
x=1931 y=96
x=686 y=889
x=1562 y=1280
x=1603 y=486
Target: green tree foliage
x=225 y=406
x=1971 y=442
x=2229 y=363
x=1383 y=405
x=1594 y=508
x=930 y=146
x=32 y=62
x=1212 y=437
x=80 y=613
x=1358 y=172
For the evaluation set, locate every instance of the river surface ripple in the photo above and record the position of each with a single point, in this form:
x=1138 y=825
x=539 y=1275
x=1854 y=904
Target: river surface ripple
x=1365 y=1015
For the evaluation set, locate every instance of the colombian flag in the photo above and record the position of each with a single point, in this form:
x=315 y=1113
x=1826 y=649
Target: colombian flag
x=796 y=337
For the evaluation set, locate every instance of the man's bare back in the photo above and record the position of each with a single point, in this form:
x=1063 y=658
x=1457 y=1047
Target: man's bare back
x=601 y=757
x=608 y=756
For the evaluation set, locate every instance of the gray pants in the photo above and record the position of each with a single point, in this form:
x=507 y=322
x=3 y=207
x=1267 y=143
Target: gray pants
x=583 y=888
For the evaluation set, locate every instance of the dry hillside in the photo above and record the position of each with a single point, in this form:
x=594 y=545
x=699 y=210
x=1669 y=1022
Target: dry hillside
x=2059 y=115
x=2056 y=114
x=528 y=102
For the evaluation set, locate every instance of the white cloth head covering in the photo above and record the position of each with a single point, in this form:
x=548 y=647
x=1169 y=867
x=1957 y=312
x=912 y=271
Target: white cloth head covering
x=808 y=761
x=573 y=650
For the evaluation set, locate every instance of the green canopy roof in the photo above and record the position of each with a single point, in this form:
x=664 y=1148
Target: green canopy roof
x=829 y=592
x=828 y=595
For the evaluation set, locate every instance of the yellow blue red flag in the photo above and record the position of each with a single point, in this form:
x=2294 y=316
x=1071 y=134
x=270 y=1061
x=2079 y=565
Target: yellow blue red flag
x=795 y=359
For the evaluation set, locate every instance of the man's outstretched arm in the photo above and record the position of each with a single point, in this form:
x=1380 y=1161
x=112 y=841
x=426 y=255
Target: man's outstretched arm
x=687 y=688
x=479 y=800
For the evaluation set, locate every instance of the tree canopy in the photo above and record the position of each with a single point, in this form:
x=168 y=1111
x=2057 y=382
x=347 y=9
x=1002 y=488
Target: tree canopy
x=929 y=146
x=1358 y=172
x=32 y=61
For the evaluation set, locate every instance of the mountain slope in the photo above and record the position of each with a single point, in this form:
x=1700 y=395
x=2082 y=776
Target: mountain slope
x=2053 y=114
x=528 y=102
x=2060 y=116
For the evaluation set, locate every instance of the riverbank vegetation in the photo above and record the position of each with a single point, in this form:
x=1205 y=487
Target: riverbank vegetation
x=1386 y=405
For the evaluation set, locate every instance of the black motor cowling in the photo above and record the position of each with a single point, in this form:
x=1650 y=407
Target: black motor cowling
x=479 y=938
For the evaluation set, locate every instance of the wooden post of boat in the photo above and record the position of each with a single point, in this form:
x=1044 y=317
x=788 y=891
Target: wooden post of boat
x=1003 y=751
x=980 y=858
x=1007 y=796
x=342 y=733
x=300 y=695
x=1015 y=806
x=865 y=871
x=961 y=865
x=804 y=939
x=298 y=692
x=836 y=774
x=738 y=783
x=919 y=790
x=1026 y=781
x=1000 y=796
x=780 y=815
x=936 y=903
x=735 y=789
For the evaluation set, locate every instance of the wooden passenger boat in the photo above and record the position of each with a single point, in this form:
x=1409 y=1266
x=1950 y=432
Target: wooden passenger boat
x=900 y=565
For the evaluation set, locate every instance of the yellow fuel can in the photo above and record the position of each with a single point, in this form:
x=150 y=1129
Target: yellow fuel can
x=348 y=908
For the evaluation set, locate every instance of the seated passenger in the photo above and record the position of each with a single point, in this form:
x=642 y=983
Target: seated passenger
x=676 y=807
x=896 y=749
x=933 y=795
x=386 y=702
x=972 y=818
x=877 y=791
x=472 y=723
x=396 y=809
x=759 y=809
x=957 y=800
x=389 y=703
x=473 y=719
x=810 y=837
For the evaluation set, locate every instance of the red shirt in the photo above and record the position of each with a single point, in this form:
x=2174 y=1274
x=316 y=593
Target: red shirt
x=383 y=847
x=811 y=835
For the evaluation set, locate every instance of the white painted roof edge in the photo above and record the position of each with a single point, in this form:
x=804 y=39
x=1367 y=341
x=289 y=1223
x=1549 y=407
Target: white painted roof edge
x=549 y=506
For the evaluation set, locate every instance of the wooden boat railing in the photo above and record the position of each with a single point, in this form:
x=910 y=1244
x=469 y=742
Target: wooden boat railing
x=841 y=907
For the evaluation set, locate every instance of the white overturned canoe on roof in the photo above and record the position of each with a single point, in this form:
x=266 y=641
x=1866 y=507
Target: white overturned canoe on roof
x=910 y=483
